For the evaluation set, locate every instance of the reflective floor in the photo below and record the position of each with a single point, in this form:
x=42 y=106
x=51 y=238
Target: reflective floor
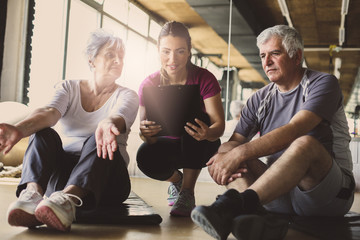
x=151 y=191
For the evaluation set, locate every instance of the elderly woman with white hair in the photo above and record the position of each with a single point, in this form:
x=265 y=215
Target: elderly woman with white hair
x=83 y=162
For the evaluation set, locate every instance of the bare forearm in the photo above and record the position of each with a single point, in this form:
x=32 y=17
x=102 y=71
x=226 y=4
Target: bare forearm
x=118 y=121
x=228 y=146
x=270 y=143
x=39 y=119
x=216 y=130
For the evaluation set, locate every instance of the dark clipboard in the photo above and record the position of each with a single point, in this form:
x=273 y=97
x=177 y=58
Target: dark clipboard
x=172 y=106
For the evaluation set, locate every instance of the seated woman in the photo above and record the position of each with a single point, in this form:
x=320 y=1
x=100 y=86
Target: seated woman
x=161 y=157
x=85 y=162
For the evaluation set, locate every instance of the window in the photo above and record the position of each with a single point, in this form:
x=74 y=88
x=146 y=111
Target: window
x=83 y=20
x=47 y=50
x=118 y=9
x=61 y=30
x=138 y=20
x=154 y=30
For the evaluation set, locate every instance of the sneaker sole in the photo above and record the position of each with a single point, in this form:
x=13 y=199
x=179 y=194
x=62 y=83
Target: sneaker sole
x=257 y=227
x=179 y=214
x=46 y=215
x=171 y=203
x=20 y=218
x=199 y=216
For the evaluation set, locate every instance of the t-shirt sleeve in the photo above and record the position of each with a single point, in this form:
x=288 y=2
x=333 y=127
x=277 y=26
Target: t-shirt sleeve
x=209 y=85
x=247 y=125
x=61 y=96
x=324 y=97
x=126 y=107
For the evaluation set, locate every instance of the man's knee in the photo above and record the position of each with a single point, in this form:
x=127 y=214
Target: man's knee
x=307 y=143
x=320 y=160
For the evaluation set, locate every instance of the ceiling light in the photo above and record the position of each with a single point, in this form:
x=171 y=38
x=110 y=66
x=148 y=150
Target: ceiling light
x=285 y=11
x=344 y=7
x=341 y=36
x=283 y=7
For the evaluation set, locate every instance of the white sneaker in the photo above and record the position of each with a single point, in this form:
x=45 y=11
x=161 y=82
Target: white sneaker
x=58 y=211
x=22 y=211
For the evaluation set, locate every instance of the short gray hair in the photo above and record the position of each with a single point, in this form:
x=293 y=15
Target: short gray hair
x=291 y=39
x=100 y=38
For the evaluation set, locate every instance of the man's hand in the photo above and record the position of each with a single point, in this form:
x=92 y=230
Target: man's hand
x=223 y=167
x=9 y=136
x=105 y=136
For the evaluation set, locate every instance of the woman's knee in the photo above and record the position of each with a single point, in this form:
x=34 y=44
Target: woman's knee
x=46 y=134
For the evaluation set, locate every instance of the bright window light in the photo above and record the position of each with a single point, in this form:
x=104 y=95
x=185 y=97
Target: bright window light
x=154 y=30
x=118 y=9
x=138 y=20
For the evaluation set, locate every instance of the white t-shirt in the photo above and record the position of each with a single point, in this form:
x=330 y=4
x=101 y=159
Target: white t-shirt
x=76 y=125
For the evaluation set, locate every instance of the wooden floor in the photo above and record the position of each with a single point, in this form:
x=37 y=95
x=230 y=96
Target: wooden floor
x=151 y=191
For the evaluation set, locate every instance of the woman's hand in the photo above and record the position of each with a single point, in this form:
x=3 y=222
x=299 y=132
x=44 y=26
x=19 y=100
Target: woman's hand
x=198 y=132
x=148 y=129
x=9 y=136
x=105 y=136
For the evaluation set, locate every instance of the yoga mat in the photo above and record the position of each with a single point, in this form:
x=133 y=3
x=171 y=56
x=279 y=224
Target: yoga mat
x=329 y=228
x=133 y=211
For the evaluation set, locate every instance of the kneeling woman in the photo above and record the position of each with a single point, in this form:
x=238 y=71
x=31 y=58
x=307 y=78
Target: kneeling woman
x=85 y=161
x=162 y=157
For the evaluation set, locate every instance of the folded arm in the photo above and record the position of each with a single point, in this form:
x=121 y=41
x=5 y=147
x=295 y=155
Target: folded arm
x=224 y=164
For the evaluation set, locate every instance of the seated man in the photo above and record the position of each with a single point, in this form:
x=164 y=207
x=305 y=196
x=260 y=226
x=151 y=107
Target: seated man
x=304 y=133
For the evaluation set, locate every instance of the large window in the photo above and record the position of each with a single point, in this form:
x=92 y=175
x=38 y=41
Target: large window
x=61 y=29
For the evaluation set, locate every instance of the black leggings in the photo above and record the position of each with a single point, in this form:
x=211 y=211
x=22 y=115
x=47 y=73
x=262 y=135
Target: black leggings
x=161 y=159
x=46 y=163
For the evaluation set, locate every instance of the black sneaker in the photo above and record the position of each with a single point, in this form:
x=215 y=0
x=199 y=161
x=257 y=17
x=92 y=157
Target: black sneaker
x=217 y=218
x=259 y=227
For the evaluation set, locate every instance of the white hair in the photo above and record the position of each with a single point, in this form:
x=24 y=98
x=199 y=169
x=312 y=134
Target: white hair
x=98 y=39
x=291 y=39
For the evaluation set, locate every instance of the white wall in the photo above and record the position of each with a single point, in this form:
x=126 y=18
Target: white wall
x=14 y=51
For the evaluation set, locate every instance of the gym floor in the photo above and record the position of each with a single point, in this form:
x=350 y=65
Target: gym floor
x=153 y=193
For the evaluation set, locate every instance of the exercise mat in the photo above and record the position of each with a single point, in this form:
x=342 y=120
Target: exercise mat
x=133 y=211
x=329 y=228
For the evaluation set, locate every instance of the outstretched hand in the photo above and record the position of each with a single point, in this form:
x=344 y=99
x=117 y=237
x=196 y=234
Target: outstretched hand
x=9 y=136
x=106 y=143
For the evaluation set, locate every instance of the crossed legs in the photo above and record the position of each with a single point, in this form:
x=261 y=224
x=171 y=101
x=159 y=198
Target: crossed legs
x=304 y=164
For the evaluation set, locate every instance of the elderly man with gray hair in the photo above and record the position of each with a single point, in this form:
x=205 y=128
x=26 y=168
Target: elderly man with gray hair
x=303 y=131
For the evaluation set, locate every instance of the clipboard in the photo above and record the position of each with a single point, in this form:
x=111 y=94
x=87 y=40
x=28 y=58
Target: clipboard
x=172 y=106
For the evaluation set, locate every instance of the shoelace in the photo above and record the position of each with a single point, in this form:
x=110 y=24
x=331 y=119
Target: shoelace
x=74 y=196
x=62 y=197
x=28 y=194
